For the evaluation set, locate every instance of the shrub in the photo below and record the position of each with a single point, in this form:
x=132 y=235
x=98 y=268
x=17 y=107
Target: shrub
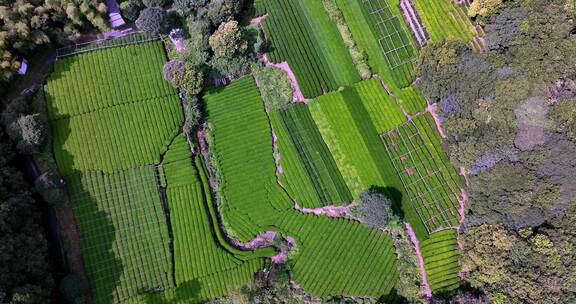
x=220 y=11
x=48 y=186
x=153 y=3
x=375 y=209
x=227 y=41
x=483 y=8
x=274 y=86
x=71 y=289
x=29 y=132
x=192 y=115
x=152 y=20
x=171 y=68
x=190 y=80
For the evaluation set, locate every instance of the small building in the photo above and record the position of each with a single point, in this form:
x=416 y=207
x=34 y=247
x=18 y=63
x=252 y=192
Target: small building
x=23 y=67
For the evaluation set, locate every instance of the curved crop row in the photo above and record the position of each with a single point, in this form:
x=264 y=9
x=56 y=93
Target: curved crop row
x=441 y=259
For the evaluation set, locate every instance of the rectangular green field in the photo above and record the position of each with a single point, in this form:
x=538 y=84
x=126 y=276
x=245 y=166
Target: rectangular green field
x=309 y=172
x=445 y=19
x=431 y=183
x=442 y=260
x=301 y=33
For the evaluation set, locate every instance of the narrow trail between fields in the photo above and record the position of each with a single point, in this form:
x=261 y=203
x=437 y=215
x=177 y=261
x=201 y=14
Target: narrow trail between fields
x=426 y=291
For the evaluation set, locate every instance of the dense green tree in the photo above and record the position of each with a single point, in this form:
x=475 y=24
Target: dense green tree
x=25 y=277
x=190 y=80
x=152 y=20
x=219 y=11
x=274 y=86
x=227 y=41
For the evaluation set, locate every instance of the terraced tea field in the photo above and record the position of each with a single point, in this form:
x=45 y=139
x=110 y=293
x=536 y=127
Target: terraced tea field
x=155 y=229
x=301 y=33
x=309 y=173
x=324 y=263
x=441 y=257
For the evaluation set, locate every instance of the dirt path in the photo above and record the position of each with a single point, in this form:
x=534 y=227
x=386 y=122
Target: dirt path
x=426 y=291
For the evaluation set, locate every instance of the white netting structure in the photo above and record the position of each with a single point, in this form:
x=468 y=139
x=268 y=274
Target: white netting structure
x=392 y=37
x=429 y=191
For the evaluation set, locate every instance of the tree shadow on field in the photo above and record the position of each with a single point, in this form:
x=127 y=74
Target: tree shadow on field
x=395 y=196
x=187 y=292
x=97 y=232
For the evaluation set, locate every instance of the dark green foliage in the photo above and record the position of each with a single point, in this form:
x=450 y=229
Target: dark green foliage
x=25 y=276
x=26 y=128
x=502 y=28
x=152 y=20
x=191 y=115
x=153 y=3
x=190 y=81
x=27 y=24
x=220 y=11
x=444 y=66
x=131 y=9
x=71 y=289
x=48 y=185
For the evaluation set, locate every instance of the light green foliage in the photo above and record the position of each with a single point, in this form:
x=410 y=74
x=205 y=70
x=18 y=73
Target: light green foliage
x=358 y=56
x=382 y=108
x=241 y=130
x=441 y=260
x=105 y=143
x=120 y=137
x=352 y=139
x=102 y=79
x=431 y=183
x=329 y=251
x=309 y=172
x=444 y=19
x=367 y=29
x=301 y=33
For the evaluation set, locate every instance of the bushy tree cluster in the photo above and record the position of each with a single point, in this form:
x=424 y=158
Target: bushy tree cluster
x=25 y=276
x=25 y=126
x=275 y=87
x=27 y=24
x=514 y=130
x=375 y=209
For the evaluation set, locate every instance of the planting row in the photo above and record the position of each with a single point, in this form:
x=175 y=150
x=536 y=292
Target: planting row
x=119 y=137
x=333 y=256
x=301 y=33
x=308 y=170
x=123 y=232
x=105 y=78
x=378 y=29
x=441 y=259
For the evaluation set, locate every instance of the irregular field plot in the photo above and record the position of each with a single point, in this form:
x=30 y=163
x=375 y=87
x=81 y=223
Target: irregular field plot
x=117 y=138
x=242 y=151
x=334 y=256
x=431 y=183
x=381 y=107
x=340 y=257
x=441 y=259
x=300 y=32
x=309 y=172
